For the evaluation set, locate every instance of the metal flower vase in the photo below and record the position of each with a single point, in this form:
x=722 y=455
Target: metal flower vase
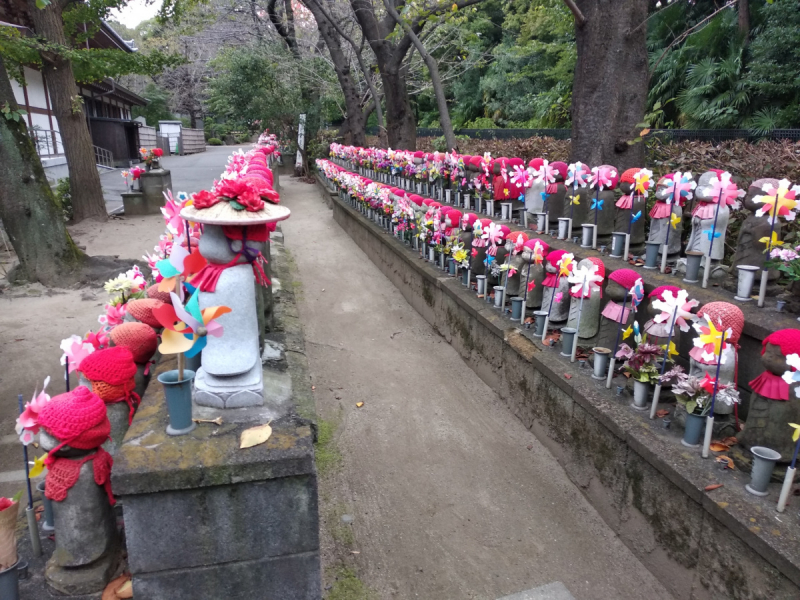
x=641 y=394
x=764 y=460
x=178 y=393
x=694 y=429
x=744 y=288
x=9 y=582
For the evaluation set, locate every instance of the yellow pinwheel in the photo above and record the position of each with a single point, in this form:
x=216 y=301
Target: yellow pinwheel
x=796 y=434
x=565 y=265
x=674 y=220
x=710 y=339
x=627 y=333
x=575 y=200
x=770 y=241
x=38 y=466
x=671 y=351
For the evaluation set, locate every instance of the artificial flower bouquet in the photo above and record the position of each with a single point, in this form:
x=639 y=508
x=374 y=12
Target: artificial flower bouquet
x=695 y=393
x=643 y=363
x=151 y=156
x=9 y=511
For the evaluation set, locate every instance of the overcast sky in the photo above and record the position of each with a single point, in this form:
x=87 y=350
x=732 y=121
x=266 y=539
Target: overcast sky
x=136 y=11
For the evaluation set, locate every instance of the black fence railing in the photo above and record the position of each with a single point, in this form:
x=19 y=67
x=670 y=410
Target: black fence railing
x=667 y=135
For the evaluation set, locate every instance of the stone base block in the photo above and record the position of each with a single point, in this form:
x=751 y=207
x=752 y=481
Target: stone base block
x=287 y=578
x=89 y=579
x=239 y=391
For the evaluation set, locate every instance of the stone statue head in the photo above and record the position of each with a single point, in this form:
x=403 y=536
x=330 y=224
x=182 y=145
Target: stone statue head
x=703 y=192
x=662 y=188
x=560 y=170
x=658 y=294
x=776 y=347
x=757 y=189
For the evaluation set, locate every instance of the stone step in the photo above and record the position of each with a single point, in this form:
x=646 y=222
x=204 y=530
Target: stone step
x=551 y=591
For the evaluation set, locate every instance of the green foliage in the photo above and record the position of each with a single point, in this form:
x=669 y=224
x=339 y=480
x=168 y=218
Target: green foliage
x=347 y=586
x=12 y=115
x=326 y=454
x=215 y=142
x=64 y=198
x=157 y=108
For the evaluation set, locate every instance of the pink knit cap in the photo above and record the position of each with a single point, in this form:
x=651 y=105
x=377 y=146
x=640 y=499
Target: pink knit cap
x=532 y=245
x=77 y=418
x=468 y=219
x=560 y=167
x=787 y=339
x=625 y=277
x=659 y=291
x=112 y=365
x=454 y=214
x=731 y=316
x=555 y=256
x=536 y=163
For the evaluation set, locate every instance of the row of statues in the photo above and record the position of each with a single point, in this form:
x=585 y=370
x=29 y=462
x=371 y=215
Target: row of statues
x=545 y=279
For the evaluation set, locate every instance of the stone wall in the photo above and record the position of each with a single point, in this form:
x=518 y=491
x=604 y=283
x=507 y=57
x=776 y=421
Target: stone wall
x=720 y=545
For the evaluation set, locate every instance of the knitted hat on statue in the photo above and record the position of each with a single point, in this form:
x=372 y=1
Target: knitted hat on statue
x=142 y=311
x=561 y=168
x=729 y=314
x=628 y=176
x=768 y=384
x=139 y=338
x=154 y=294
x=536 y=163
x=112 y=373
x=555 y=256
x=532 y=245
x=624 y=277
x=659 y=291
x=77 y=419
x=455 y=216
x=468 y=220
x=515 y=235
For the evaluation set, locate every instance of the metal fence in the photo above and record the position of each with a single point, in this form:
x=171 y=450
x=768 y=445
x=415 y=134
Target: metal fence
x=47 y=142
x=667 y=135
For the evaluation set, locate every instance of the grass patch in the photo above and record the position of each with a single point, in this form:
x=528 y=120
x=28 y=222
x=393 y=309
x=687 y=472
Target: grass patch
x=347 y=586
x=341 y=532
x=326 y=453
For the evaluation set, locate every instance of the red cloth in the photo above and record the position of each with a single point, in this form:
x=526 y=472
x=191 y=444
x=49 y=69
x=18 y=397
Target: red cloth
x=63 y=473
x=770 y=386
x=208 y=277
x=660 y=210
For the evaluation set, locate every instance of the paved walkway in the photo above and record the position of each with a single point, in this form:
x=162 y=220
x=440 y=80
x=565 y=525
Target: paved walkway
x=452 y=497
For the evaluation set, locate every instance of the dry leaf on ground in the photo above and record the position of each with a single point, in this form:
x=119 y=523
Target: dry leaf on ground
x=662 y=413
x=255 y=436
x=718 y=447
x=730 y=441
x=714 y=486
x=567 y=376
x=118 y=589
x=359 y=404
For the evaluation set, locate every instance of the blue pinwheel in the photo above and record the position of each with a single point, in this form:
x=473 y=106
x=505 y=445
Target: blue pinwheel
x=709 y=233
x=636 y=217
x=596 y=204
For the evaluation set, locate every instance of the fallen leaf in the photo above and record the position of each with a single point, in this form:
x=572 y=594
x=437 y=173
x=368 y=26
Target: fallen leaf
x=662 y=413
x=530 y=446
x=359 y=404
x=117 y=587
x=644 y=132
x=718 y=447
x=567 y=376
x=125 y=591
x=714 y=486
x=255 y=436
x=730 y=441
x=726 y=459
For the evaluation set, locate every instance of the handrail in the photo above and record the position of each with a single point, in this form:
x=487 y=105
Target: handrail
x=103 y=157
x=47 y=142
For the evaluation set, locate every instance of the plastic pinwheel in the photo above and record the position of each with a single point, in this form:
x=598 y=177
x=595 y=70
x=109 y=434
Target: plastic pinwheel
x=796 y=427
x=28 y=422
x=643 y=181
x=674 y=220
x=724 y=191
x=171 y=211
x=585 y=280
x=602 y=177
x=75 y=350
x=669 y=303
x=577 y=175
x=637 y=293
x=635 y=217
x=785 y=198
x=538 y=253
x=186 y=328
x=180 y=263
x=521 y=177
x=793 y=377
x=545 y=174
x=565 y=265
x=493 y=234
x=712 y=340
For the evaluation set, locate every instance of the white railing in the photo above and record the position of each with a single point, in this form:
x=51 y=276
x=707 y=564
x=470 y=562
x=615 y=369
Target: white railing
x=47 y=142
x=103 y=157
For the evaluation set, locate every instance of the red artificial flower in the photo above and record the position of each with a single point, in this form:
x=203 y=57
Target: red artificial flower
x=6 y=503
x=251 y=201
x=204 y=199
x=158 y=152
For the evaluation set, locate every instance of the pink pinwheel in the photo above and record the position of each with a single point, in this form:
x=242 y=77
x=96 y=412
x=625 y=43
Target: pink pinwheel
x=724 y=190
x=519 y=243
x=585 y=280
x=531 y=285
x=521 y=177
x=98 y=340
x=171 y=211
x=668 y=305
x=602 y=177
x=545 y=173
x=492 y=235
x=577 y=175
x=75 y=350
x=28 y=422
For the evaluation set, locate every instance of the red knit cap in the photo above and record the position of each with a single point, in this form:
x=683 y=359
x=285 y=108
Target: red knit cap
x=419 y=154
x=476 y=161
x=470 y=219
x=625 y=277
x=113 y=365
x=455 y=216
x=77 y=418
x=433 y=203
x=536 y=163
x=139 y=338
x=601 y=268
x=485 y=222
x=532 y=245
x=514 y=237
x=731 y=316
x=416 y=199
x=666 y=179
x=561 y=168
x=516 y=162
x=506 y=231
x=659 y=291
x=787 y=339
x=142 y=310
x=154 y=294
x=555 y=256
x=627 y=176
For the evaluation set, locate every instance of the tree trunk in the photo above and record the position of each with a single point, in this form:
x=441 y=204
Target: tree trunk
x=341 y=66
x=28 y=209
x=84 y=181
x=610 y=86
x=433 y=70
x=401 y=127
x=744 y=18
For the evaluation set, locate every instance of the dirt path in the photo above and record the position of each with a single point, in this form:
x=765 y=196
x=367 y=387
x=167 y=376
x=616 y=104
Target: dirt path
x=451 y=496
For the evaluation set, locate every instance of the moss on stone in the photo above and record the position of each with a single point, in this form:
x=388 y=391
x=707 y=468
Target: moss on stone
x=347 y=586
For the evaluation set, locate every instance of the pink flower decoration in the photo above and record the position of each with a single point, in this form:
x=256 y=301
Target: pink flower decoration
x=28 y=422
x=545 y=173
x=723 y=189
x=171 y=211
x=521 y=177
x=602 y=177
x=532 y=285
x=98 y=340
x=75 y=349
x=114 y=315
x=559 y=297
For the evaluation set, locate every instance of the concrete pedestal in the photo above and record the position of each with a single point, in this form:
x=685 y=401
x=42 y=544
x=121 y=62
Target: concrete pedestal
x=235 y=523
x=150 y=198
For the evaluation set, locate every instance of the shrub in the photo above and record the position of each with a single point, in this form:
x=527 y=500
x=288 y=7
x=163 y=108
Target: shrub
x=214 y=142
x=243 y=138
